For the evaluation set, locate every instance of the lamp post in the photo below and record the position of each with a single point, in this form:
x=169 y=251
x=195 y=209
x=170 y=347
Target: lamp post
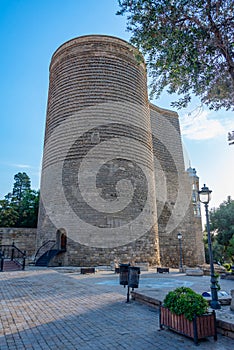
x=179 y=236
x=204 y=197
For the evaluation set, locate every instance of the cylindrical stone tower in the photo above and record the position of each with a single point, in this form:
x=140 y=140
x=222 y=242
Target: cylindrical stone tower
x=97 y=185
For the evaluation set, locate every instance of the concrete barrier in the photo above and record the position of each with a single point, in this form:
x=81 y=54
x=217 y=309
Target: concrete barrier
x=194 y=272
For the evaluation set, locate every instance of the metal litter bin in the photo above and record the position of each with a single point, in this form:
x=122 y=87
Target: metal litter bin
x=123 y=274
x=133 y=276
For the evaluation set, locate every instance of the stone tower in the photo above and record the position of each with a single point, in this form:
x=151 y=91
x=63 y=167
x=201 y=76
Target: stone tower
x=175 y=189
x=111 y=173
x=98 y=176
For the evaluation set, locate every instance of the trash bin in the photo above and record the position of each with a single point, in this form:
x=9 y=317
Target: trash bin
x=133 y=276
x=123 y=274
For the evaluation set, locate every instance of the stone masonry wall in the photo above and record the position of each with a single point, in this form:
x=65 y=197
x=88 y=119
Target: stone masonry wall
x=174 y=193
x=24 y=239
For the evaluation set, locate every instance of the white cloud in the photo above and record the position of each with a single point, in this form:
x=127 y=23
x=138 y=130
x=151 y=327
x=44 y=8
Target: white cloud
x=22 y=166
x=202 y=127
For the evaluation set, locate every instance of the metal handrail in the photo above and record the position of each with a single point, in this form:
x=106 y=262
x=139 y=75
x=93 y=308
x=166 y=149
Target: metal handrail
x=42 y=246
x=13 y=253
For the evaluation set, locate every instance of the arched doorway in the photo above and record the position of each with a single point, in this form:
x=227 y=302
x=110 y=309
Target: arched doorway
x=61 y=239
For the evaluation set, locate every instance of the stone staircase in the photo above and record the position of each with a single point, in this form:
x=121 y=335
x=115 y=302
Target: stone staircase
x=11 y=258
x=11 y=265
x=46 y=257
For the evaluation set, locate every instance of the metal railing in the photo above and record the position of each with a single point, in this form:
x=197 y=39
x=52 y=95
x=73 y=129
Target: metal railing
x=45 y=247
x=12 y=253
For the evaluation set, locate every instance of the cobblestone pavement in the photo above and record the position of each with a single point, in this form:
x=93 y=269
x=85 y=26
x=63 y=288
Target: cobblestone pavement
x=47 y=309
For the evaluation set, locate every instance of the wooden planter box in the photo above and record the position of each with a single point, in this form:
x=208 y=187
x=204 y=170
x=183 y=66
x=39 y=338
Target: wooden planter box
x=200 y=327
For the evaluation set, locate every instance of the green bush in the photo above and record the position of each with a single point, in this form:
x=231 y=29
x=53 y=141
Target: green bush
x=185 y=301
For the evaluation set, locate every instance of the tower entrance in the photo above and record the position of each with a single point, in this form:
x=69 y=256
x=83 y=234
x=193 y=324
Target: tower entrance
x=61 y=239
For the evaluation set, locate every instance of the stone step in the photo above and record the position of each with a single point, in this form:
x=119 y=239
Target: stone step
x=11 y=266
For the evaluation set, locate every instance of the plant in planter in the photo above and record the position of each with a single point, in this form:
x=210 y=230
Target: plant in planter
x=186 y=312
x=185 y=301
x=217 y=281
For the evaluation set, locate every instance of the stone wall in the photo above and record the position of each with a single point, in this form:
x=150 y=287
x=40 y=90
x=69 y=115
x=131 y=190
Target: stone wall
x=24 y=239
x=174 y=188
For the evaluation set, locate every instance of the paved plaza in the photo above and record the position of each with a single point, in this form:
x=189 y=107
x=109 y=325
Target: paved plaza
x=53 y=309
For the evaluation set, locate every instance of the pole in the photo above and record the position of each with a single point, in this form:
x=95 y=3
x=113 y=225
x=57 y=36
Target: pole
x=24 y=257
x=214 y=290
x=128 y=294
x=1 y=260
x=181 y=267
x=12 y=251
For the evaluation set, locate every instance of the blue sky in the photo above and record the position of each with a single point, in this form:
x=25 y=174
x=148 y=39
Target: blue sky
x=30 y=32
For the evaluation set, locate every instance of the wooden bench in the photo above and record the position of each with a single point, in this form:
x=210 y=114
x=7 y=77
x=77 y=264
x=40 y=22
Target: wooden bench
x=162 y=269
x=85 y=270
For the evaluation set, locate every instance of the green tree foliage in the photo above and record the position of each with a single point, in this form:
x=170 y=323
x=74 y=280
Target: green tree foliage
x=189 y=47
x=28 y=209
x=21 y=185
x=222 y=227
x=8 y=214
x=230 y=249
x=20 y=208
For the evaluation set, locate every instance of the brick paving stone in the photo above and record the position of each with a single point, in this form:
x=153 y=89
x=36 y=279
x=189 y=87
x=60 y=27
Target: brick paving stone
x=45 y=309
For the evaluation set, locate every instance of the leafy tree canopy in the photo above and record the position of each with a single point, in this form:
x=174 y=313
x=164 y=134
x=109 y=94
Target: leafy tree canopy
x=222 y=225
x=189 y=47
x=8 y=215
x=20 y=207
x=22 y=184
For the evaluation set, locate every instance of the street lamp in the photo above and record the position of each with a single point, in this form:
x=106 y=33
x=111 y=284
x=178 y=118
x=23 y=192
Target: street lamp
x=204 y=197
x=179 y=236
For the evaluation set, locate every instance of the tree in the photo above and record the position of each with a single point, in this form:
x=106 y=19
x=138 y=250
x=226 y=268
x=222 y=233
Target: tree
x=28 y=209
x=22 y=184
x=222 y=227
x=189 y=47
x=20 y=208
x=230 y=249
x=8 y=214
